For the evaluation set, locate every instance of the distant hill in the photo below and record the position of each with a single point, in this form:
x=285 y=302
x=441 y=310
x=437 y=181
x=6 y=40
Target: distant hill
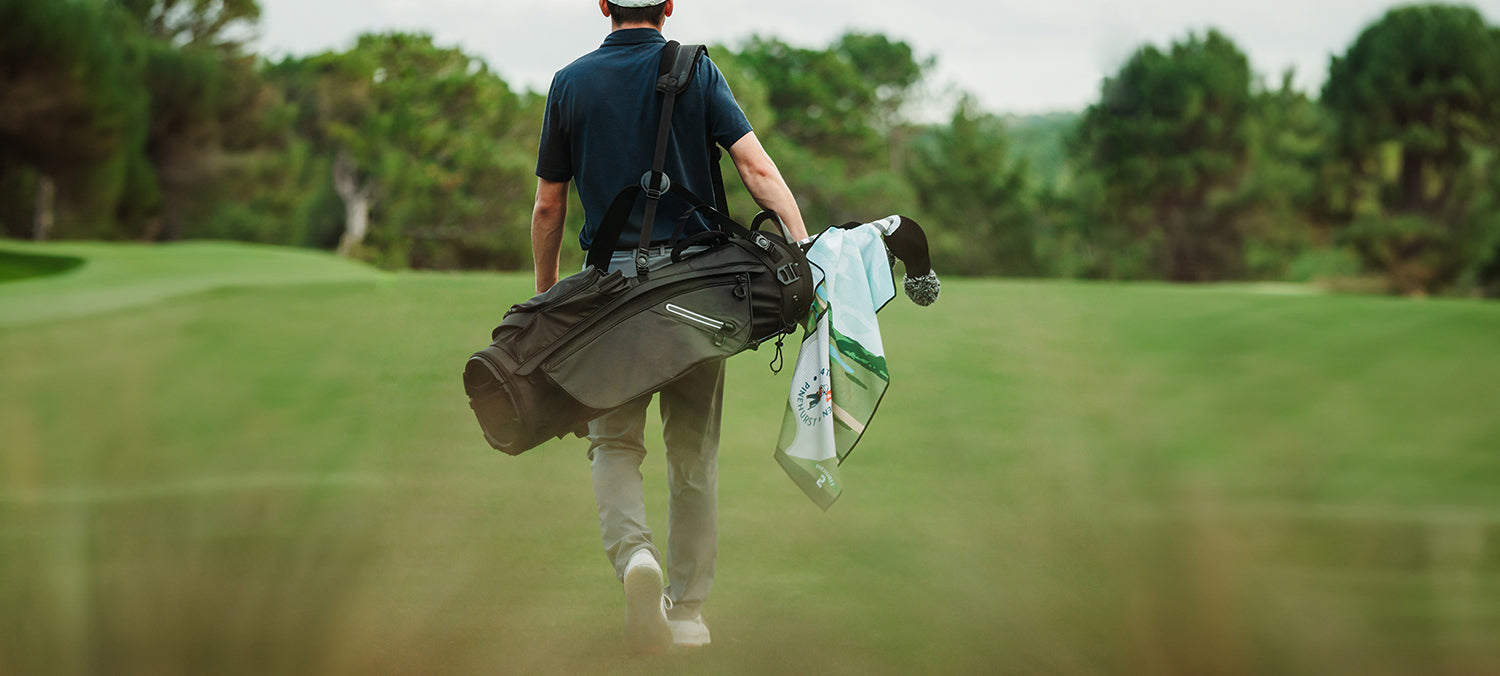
x=1042 y=141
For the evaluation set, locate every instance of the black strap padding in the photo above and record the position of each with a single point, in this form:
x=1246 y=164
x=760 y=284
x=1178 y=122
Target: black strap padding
x=666 y=61
x=678 y=65
x=607 y=237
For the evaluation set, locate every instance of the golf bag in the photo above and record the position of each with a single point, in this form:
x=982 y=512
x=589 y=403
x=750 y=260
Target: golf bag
x=598 y=339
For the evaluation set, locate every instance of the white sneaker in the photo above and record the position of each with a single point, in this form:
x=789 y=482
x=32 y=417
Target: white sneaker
x=690 y=633
x=646 y=627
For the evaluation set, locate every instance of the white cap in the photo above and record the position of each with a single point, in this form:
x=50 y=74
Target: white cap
x=636 y=3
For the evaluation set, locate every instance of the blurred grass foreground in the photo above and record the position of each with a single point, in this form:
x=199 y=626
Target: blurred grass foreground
x=230 y=459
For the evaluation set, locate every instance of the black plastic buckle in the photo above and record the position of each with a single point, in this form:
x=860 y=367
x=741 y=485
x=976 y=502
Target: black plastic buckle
x=655 y=193
x=787 y=274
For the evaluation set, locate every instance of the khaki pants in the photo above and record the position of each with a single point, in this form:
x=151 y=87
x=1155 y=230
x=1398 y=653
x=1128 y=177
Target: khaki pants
x=690 y=411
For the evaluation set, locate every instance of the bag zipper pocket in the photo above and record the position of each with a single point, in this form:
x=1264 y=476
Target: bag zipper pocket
x=581 y=336
x=721 y=330
x=529 y=305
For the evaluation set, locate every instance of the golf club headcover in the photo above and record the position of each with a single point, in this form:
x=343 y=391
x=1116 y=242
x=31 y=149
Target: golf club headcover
x=907 y=242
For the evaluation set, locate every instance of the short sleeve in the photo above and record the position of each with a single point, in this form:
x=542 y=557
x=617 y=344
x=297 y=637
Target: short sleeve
x=554 y=155
x=726 y=121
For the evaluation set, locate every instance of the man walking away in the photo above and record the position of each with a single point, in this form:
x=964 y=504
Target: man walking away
x=599 y=133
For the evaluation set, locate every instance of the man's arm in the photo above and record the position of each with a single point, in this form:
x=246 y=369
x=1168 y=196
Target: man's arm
x=765 y=183
x=547 y=230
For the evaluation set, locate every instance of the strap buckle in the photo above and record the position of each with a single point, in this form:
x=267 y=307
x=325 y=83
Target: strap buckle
x=652 y=192
x=787 y=274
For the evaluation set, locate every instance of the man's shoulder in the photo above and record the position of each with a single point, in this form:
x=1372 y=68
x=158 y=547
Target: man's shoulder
x=595 y=68
x=578 y=66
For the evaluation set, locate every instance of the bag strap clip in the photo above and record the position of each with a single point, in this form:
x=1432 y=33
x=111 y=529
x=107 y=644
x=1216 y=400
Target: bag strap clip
x=653 y=191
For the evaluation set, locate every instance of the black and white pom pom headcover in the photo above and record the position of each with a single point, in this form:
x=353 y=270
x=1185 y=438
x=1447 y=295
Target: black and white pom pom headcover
x=906 y=241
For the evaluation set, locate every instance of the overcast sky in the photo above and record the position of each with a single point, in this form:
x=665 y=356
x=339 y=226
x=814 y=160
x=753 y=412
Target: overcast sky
x=1017 y=57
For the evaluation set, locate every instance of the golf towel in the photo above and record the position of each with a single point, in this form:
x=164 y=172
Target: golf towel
x=840 y=376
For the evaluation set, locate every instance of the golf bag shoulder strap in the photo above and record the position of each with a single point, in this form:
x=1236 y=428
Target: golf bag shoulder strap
x=674 y=73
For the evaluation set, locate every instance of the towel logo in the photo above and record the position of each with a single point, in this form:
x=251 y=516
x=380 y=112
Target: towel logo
x=814 y=400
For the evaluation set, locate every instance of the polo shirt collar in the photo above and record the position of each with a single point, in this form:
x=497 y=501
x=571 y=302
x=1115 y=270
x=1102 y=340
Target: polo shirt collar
x=633 y=36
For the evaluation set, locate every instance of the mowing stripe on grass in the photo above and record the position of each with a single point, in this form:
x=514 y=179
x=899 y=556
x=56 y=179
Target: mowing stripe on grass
x=118 y=276
x=196 y=486
x=16 y=266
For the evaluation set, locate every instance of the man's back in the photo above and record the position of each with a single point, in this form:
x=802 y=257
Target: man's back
x=600 y=129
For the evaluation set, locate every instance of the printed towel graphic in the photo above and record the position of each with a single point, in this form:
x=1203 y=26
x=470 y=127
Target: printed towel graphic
x=841 y=374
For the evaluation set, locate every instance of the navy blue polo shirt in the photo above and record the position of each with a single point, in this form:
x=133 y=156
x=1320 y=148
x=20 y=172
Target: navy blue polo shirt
x=600 y=131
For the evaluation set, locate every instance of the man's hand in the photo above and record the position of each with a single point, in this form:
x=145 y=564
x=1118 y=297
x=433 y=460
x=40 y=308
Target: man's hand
x=547 y=230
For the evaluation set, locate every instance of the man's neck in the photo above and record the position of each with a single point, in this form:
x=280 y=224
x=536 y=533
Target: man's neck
x=621 y=27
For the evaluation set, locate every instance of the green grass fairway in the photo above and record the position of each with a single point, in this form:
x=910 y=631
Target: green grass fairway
x=222 y=459
x=114 y=277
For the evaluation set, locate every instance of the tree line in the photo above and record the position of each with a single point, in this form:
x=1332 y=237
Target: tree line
x=153 y=120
